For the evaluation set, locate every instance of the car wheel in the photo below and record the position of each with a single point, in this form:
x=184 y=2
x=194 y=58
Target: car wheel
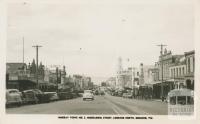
x=36 y=102
x=19 y=104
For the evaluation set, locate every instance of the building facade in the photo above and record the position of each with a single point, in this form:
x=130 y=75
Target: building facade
x=177 y=72
x=182 y=72
x=166 y=60
x=18 y=77
x=190 y=69
x=148 y=74
x=111 y=82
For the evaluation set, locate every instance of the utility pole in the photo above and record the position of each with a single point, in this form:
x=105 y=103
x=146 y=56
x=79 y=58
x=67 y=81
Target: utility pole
x=133 y=84
x=24 y=68
x=161 y=62
x=57 y=79
x=23 y=50
x=37 y=46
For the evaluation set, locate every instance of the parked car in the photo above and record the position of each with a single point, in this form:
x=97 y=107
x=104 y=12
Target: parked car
x=42 y=97
x=88 y=95
x=53 y=96
x=29 y=96
x=119 y=93
x=65 y=95
x=114 y=93
x=80 y=94
x=96 y=92
x=74 y=95
x=127 y=95
x=102 y=93
x=13 y=96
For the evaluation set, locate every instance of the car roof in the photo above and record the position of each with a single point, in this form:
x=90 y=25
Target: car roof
x=49 y=92
x=12 y=90
x=28 y=90
x=35 y=89
x=87 y=90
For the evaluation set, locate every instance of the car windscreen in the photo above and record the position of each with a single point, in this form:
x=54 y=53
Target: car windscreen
x=13 y=91
x=87 y=91
x=38 y=91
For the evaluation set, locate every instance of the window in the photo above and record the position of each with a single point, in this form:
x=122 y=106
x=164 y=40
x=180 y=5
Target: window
x=171 y=72
x=13 y=91
x=183 y=70
x=188 y=65
x=181 y=100
x=87 y=91
x=191 y=64
x=180 y=71
x=173 y=100
x=181 y=85
x=190 y=100
x=174 y=72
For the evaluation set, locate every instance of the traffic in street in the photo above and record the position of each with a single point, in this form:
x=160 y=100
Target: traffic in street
x=101 y=104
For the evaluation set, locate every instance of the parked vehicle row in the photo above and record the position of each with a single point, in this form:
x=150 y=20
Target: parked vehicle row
x=98 y=92
x=117 y=93
x=35 y=96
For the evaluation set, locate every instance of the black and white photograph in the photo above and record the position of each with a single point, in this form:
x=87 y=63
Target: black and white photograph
x=100 y=58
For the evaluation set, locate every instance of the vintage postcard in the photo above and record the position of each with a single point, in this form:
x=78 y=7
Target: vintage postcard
x=93 y=60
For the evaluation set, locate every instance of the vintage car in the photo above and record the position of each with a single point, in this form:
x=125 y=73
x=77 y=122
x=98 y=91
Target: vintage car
x=65 y=95
x=53 y=96
x=102 y=93
x=127 y=95
x=42 y=97
x=29 y=96
x=88 y=95
x=13 y=96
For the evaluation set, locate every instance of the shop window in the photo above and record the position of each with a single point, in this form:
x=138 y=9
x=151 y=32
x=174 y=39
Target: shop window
x=173 y=100
x=181 y=100
x=190 y=100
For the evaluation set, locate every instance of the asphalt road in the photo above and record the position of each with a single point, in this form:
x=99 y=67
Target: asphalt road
x=101 y=105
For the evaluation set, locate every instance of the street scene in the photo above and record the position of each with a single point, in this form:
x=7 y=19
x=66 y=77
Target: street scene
x=68 y=58
x=101 y=105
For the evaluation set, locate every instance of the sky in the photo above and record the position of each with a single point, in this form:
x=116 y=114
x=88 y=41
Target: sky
x=88 y=37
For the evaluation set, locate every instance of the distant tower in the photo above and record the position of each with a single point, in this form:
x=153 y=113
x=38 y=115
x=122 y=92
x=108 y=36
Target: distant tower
x=46 y=75
x=63 y=75
x=119 y=71
x=141 y=80
x=119 y=68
